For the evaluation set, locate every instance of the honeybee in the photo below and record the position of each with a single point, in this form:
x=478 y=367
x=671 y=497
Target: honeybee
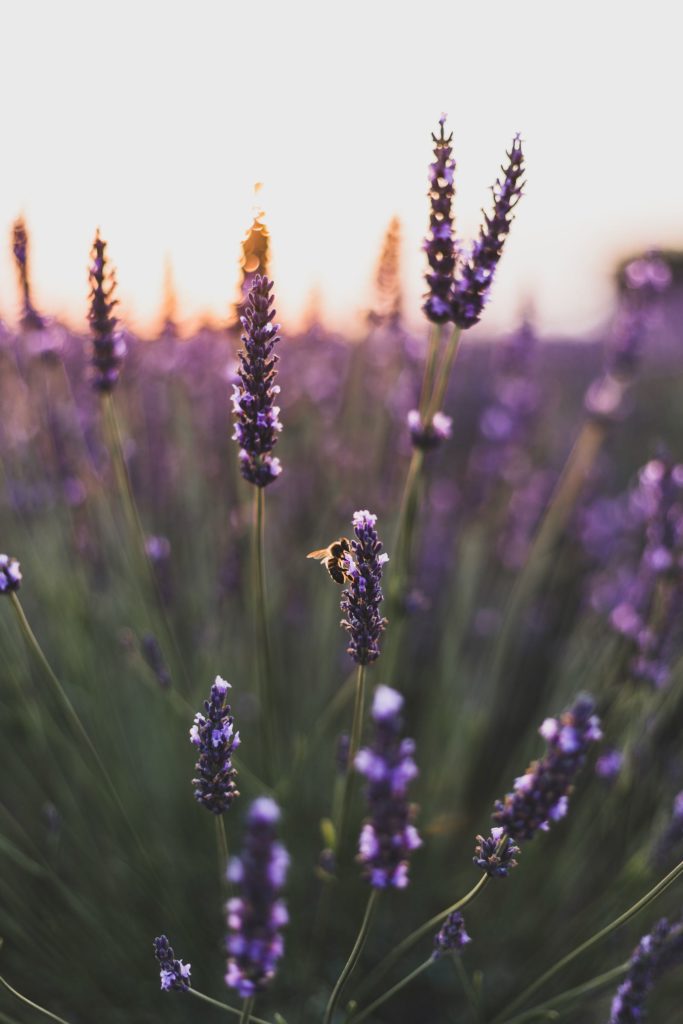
x=332 y=558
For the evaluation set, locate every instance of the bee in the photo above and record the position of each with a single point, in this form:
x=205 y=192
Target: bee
x=332 y=558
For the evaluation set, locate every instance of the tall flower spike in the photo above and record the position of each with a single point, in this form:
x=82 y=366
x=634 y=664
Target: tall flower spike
x=452 y=937
x=655 y=953
x=10 y=574
x=361 y=600
x=440 y=242
x=541 y=795
x=388 y=837
x=257 y=417
x=109 y=346
x=256 y=916
x=30 y=317
x=174 y=974
x=476 y=275
x=214 y=734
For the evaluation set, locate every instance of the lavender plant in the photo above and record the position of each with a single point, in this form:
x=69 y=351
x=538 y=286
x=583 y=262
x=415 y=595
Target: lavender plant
x=109 y=347
x=214 y=735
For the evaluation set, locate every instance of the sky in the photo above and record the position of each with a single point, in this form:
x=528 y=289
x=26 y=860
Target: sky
x=153 y=120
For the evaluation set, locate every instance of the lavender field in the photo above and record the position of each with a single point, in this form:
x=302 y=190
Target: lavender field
x=466 y=804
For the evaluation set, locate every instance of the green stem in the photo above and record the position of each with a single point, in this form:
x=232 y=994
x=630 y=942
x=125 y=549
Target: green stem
x=429 y=926
x=643 y=902
x=354 y=743
x=73 y=715
x=224 y=1006
x=444 y=374
x=391 y=992
x=572 y=994
x=263 y=656
x=222 y=845
x=468 y=988
x=433 y=346
x=34 y=1006
x=247 y=1007
x=354 y=957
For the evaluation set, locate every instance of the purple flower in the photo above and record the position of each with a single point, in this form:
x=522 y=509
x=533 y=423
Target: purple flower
x=655 y=952
x=256 y=916
x=495 y=854
x=10 y=574
x=429 y=435
x=215 y=736
x=257 y=422
x=541 y=795
x=440 y=243
x=174 y=974
x=452 y=938
x=476 y=273
x=388 y=836
x=361 y=600
x=609 y=764
x=108 y=343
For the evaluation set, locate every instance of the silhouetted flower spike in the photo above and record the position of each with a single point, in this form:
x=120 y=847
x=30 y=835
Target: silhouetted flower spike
x=388 y=836
x=440 y=242
x=30 y=316
x=476 y=274
x=256 y=916
x=215 y=736
x=495 y=854
x=655 y=952
x=360 y=602
x=257 y=417
x=109 y=346
x=174 y=974
x=541 y=795
x=10 y=574
x=452 y=938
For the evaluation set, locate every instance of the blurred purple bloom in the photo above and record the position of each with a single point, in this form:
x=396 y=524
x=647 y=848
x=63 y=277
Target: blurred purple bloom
x=541 y=795
x=476 y=273
x=109 y=345
x=452 y=937
x=257 y=915
x=213 y=733
x=440 y=243
x=429 y=435
x=388 y=836
x=257 y=422
x=609 y=764
x=361 y=601
x=174 y=974
x=657 y=951
x=10 y=574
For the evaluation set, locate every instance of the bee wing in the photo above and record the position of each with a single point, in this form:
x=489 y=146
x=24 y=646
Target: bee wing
x=323 y=553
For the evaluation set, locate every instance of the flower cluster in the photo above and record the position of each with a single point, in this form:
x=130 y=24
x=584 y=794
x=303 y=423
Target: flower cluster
x=361 y=600
x=214 y=734
x=10 y=574
x=174 y=974
x=476 y=273
x=108 y=343
x=452 y=937
x=388 y=837
x=427 y=436
x=459 y=283
x=440 y=243
x=256 y=916
x=541 y=795
x=656 y=951
x=495 y=854
x=257 y=418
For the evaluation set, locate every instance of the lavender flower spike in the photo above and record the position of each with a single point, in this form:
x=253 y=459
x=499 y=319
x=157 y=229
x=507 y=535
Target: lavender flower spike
x=440 y=243
x=256 y=916
x=388 y=837
x=215 y=736
x=257 y=417
x=174 y=974
x=452 y=938
x=541 y=795
x=109 y=346
x=361 y=600
x=476 y=276
x=10 y=574
x=496 y=855
x=655 y=952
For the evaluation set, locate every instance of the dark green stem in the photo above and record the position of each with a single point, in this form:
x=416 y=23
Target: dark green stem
x=222 y=846
x=265 y=689
x=429 y=926
x=643 y=902
x=224 y=1006
x=346 y=787
x=354 y=957
x=247 y=1007
x=433 y=346
x=357 y=1018
x=444 y=374
x=28 y=1002
x=572 y=994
